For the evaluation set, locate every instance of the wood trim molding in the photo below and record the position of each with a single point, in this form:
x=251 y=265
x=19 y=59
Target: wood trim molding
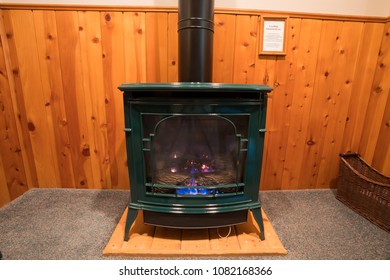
x=68 y=7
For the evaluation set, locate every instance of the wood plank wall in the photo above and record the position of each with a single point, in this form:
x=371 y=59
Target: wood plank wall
x=61 y=114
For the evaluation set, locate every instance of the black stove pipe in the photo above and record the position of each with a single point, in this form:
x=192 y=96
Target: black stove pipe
x=195 y=30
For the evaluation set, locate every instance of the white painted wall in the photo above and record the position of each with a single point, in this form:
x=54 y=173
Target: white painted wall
x=346 y=7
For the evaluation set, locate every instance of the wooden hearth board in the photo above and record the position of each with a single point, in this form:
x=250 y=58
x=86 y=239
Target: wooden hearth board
x=151 y=241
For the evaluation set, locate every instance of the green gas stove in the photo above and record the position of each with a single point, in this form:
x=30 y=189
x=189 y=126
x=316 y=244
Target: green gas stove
x=194 y=153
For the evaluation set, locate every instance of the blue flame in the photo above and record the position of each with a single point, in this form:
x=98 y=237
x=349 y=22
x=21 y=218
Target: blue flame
x=194 y=191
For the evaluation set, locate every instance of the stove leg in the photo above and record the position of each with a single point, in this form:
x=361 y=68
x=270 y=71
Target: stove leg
x=259 y=219
x=131 y=215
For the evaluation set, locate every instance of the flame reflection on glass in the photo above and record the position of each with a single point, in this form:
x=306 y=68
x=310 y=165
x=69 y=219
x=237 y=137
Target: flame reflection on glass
x=194 y=191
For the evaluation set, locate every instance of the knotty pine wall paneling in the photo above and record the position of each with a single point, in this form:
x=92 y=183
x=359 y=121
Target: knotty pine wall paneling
x=113 y=55
x=366 y=67
x=13 y=180
x=374 y=145
x=22 y=74
x=333 y=78
x=134 y=47
x=303 y=61
x=61 y=114
x=223 y=47
x=75 y=119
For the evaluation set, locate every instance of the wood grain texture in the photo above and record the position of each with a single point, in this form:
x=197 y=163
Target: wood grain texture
x=345 y=57
x=378 y=147
x=172 y=52
x=61 y=114
x=304 y=62
x=135 y=47
x=150 y=241
x=223 y=48
x=156 y=47
x=95 y=99
x=5 y=196
x=18 y=104
x=368 y=56
x=379 y=93
x=38 y=125
x=245 y=48
x=13 y=179
x=279 y=116
x=74 y=97
x=112 y=28
x=52 y=89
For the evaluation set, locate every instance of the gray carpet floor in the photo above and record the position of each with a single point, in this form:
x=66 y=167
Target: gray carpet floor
x=77 y=224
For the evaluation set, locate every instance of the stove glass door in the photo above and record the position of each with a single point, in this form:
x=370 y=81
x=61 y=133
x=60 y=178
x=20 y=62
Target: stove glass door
x=195 y=155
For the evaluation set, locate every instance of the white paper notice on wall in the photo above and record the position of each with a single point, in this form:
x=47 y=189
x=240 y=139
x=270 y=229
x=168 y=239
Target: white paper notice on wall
x=273 y=36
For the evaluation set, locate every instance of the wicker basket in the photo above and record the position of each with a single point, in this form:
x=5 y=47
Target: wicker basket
x=364 y=190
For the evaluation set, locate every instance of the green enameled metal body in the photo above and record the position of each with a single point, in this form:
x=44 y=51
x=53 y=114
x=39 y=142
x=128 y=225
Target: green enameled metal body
x=238 y=112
